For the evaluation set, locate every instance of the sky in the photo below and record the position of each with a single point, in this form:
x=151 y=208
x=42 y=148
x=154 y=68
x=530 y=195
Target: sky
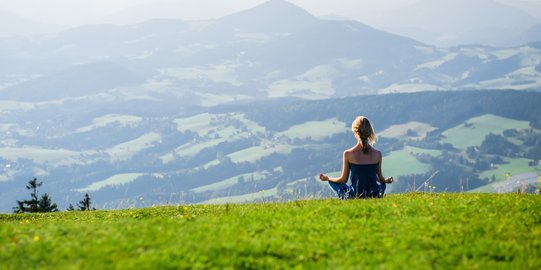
x=71 y=13
x=76 y=12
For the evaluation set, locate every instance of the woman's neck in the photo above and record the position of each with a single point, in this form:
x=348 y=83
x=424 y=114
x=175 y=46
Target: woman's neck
x=360 y=145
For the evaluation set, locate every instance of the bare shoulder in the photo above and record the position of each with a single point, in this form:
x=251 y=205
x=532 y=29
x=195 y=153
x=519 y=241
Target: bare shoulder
x=349 y=151
x=376 y=152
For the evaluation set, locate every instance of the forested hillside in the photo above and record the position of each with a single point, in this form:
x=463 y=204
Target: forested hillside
x=268 y=150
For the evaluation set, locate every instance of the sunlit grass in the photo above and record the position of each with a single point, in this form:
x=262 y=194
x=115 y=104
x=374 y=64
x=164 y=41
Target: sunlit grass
x=474 y=131
x=513 y=166
x=406 y=231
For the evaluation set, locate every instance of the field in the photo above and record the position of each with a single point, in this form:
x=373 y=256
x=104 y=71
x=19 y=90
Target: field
x=401 y=131
x=513 y=166
x=407 y=231
x=115 y=180
x=474 y=131
x=255 y=153
x=403 y=162
x=224 y=184
x=103 y=121
x=317 y=130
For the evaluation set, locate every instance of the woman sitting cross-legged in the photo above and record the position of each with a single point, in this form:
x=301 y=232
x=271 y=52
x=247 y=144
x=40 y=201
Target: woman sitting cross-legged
x=363 y=163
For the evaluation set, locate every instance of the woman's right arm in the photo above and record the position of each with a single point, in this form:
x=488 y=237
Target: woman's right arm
x=382 y=179
x=345 y=172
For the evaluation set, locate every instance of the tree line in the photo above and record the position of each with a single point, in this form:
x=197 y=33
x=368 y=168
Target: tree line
x=44 y=204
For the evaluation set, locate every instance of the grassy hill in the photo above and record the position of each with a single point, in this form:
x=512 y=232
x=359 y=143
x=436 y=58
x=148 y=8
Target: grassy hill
x=407 y=231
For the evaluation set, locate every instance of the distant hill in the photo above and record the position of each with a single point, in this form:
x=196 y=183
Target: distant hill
x=452 y=23
x=15 y=25
x=291 y=55
x=120 y=150
x=79 y=81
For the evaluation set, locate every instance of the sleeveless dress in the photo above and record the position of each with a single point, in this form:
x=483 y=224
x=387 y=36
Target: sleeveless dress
x=364 y=183
x=364 y=180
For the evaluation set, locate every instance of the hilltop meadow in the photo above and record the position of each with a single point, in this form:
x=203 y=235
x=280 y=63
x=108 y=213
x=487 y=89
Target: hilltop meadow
x=406 y=231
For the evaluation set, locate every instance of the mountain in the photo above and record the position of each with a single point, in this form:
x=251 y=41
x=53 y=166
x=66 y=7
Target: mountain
x=274 y=16
x=230 y=60
x=533 y=8
x=15 y=25
x=79 y=81
x=454 y=22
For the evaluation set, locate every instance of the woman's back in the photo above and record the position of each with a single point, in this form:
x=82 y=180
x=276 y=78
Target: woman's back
x=364 y=172
x=357 y=156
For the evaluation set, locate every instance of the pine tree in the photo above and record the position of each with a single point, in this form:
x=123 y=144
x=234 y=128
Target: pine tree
x=45 y=204
x=20 y=207
x=70 y=208
x=84 y=204
x=34 y=204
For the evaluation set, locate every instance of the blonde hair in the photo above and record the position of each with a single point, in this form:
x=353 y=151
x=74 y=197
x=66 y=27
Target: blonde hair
x=364 y=132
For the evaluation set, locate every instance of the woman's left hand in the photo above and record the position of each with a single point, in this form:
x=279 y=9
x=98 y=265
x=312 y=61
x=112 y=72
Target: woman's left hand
x=389 y=180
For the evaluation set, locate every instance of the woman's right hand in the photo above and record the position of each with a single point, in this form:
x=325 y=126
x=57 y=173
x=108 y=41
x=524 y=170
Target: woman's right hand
x=389 y=180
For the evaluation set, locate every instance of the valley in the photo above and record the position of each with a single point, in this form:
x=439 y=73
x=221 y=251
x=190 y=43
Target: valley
x=271 y=150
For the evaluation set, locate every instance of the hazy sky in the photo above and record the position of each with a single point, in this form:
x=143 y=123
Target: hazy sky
x=76 y=12
x=73 y=12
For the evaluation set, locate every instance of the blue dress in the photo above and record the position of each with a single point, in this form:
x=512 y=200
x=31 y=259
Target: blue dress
x=364 y=183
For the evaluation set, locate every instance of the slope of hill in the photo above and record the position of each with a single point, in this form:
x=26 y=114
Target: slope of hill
x=79 y=81
x=400 y=231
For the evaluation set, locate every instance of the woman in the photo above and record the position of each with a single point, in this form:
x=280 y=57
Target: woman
x=363 y=162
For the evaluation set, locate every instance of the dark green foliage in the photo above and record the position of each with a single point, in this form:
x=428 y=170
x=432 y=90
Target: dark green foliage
x=497 y=145
x=34 y=205
x=46 y=205
x=85 y=204
x=439 y=109
x=534 y=141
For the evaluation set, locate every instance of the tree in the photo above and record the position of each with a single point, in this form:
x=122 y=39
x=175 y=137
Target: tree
x=84 y=204
x=34 y=204
x=46 y=205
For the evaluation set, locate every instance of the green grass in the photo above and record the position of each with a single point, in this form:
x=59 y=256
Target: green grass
x=417 y=150
x=401 y=131
x=512 y=184
x=407 y=231
x=229 y=182
x=464 y=136
x=198 y=123
x=102 y=121
x=204 y=124
x=403 y=162
x=513 y=166
x=115 y=180
x=43 y=156
x=125 y=151
x=317 y=130
x=253 y=154
x=264 y=194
